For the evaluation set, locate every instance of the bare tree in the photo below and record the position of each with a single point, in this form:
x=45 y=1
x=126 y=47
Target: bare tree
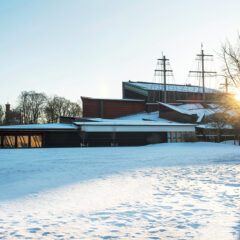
x=230 y=54
x=235 y=122
x=219 y=121
x=75 y=110
x=1 y=115
x=31 y=104
x=60 y=106
x=50 y=112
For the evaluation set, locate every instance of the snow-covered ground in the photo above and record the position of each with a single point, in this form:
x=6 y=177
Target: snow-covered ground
x=164 y=191
x=232 y=142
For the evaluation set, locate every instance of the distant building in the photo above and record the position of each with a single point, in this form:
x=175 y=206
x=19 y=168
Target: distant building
x=12 y=117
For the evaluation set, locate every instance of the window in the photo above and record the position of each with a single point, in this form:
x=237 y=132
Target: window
x=36 y=141
x=179 y=137
x=169 y=137
x=174 y=137
x=8 y=141
x=22 y=141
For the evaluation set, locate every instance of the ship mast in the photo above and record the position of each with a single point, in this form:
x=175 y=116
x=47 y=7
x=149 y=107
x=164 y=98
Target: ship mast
x=163 y=62
x=203 y=73
x=226 y=84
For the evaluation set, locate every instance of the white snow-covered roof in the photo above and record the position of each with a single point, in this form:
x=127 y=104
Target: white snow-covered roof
x=172 y=87
x=175 y=108
x=199 y=109
x=139 y=117
x=212 y=126
x=40 y=126
x=191 y=109
x=141 y=122
x=153 y=116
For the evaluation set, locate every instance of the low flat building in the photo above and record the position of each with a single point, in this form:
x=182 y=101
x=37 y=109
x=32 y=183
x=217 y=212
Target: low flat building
x=97 y=132
x=133 y=132
x=39 y=135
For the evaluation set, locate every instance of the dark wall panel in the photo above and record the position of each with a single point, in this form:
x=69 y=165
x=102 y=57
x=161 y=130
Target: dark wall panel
x=133 y=95
x=124 y=138
x=62 y=139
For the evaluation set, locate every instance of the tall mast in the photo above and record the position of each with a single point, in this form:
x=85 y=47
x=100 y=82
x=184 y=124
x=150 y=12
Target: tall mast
x=202 y=72
x=164 y=70
x=226 y=84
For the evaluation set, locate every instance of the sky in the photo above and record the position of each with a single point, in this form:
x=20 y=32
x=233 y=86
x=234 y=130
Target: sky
x=74 y=48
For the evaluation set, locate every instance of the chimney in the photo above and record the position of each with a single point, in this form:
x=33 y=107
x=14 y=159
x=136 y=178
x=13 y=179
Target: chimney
x=7 y=113
x=8 y=107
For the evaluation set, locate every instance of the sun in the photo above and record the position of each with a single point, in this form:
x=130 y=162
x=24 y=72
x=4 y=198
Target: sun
x=237 y=96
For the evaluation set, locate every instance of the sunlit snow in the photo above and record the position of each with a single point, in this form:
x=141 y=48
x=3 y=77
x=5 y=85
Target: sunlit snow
x=164 y=191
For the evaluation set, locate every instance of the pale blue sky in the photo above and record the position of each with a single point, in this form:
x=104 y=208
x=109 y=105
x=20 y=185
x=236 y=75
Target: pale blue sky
x=76 y=48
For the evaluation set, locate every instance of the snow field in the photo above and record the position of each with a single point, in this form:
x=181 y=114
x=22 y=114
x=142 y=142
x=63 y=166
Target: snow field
x=166 y=191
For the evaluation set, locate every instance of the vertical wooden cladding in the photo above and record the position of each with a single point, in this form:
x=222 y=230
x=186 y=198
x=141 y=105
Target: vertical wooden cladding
x=113 y=109
x=110 y=108
x=91 y=107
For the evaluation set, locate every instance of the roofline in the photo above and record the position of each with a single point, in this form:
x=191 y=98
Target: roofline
x=197 y=101
x=175 y=110
x=181 y=85
x=38 y=129
x=114 y=99
x=151 y=125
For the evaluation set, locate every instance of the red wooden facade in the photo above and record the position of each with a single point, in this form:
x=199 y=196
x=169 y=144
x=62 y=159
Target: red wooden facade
x=111 y=108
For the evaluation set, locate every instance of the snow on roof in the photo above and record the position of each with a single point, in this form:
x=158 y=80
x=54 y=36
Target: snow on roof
x=212 y=126
x=191 y=109
x=175 y=108
x=172 y=87
x=199 y=109
x=152 y=116
x=40 y=126
x=143 y=116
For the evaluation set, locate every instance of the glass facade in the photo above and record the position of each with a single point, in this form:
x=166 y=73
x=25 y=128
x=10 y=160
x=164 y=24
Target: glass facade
x=174 y=137
x=21 y=141
x=36 y=141
x=8 y=141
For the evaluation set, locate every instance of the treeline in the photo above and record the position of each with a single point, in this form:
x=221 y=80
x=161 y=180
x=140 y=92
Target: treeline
x=37 y=107
x=1 y=115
